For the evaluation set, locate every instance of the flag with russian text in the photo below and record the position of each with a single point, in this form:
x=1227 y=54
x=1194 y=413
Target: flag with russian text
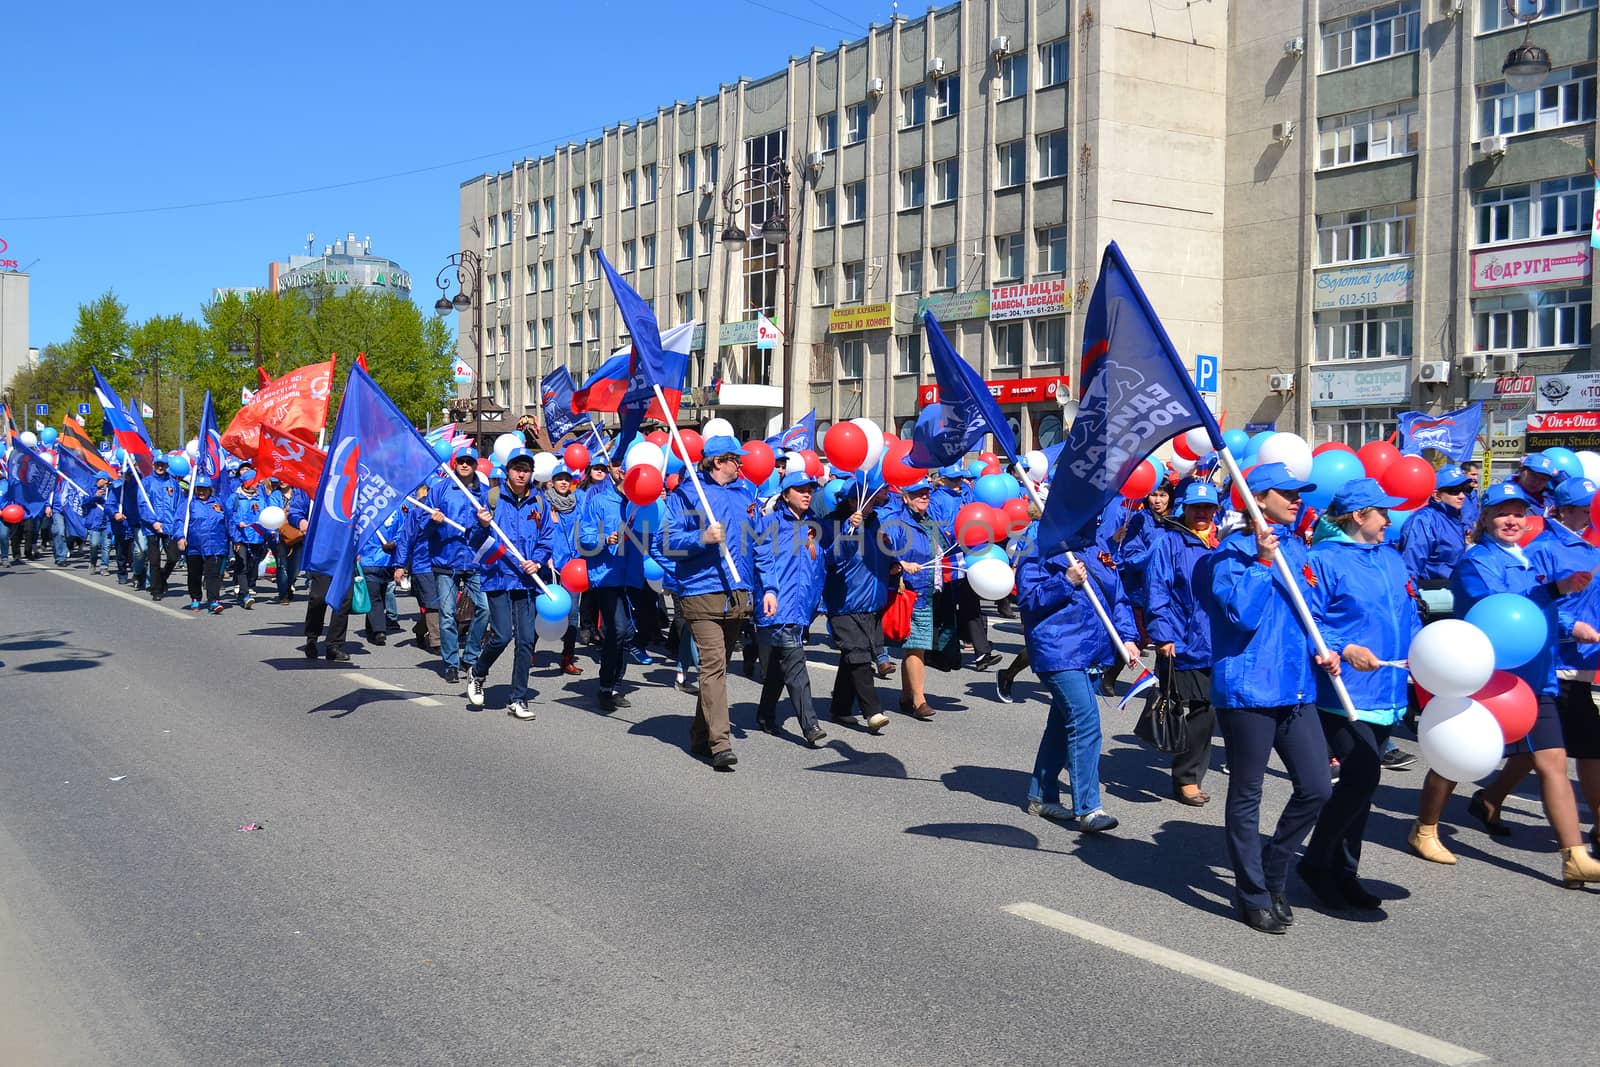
x=1455 y=433
x=296 y=403
x=964 y=413
x=212 y=461
x=33 y=479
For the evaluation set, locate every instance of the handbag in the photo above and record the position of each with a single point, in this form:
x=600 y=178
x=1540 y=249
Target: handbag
x=1163 y=724
x=897 y=616
x=360 y=596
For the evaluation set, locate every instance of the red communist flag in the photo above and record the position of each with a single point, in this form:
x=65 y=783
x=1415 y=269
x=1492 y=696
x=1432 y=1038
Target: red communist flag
x=297 y=404
x=289 y=459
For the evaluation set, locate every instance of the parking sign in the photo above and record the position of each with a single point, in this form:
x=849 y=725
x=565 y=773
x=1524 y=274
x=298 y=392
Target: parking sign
x=1206 y=373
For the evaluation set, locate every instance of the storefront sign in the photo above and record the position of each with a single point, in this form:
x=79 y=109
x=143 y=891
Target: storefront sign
x=1365 y=383
x=737 y=333
x=1543 y=264
x=948 y=307
x=1569 y=392
x=1352 y=287
x=1028 y=300
x=1576 y=430
x=857 y=318
x=1055 y=390
x=6 y=263
x=1506 y=388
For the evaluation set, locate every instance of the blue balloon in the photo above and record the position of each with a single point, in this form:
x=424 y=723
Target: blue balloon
x=988 y=552
x=652 y=570
x=1515 y=626
x=674 y=464
x=555 y=604
x=1566 y=460
x=1329 y=473
x=442 y=449
x=1397 y=519
x=1236 y=440
x=995 y=489
x=827 y=501
x=178 y=465
x=48 y=435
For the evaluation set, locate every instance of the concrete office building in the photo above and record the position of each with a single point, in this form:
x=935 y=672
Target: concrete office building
x=1303 y=188
x=15 y=353
x=344 y=266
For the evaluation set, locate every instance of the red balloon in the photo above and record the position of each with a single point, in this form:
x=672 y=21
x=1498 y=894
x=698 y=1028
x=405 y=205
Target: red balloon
x=672 y=482
x=576 y=457
x=987 y=458
x=642 y=484
x=993 y=467
x=658 y=438
x=1512 y=703
x=845 y=445
x=1376 y=456
x=813 y=462
x=757 y=463
x=1016 y=510
x=1332 y=446
x=1237 y=497
x=1410 y=477
x=1141 y=481
x=485 y=465
x=975 y=524
x=1592 y=536
x=896 y=471
x=694 y=443
x=1180 y=445
x=13 y=513
x=1533 y=527
x=575 y=575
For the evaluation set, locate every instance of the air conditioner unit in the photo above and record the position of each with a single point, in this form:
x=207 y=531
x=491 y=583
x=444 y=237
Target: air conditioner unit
x=1502 y=363
x=707 y=188
x=1450 y=9
x=1283 y=132
x=1000 y=46
x=1474 y=364
x=814 y=160
x=1281 y=383
x=935 y=66
x=588 y=226
x=875 y=87
x=1295 y=46
x=1434 y=372
x=1494 y=145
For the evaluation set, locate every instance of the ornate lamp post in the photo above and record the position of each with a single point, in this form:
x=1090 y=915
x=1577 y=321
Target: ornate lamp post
x=767 y=185
x=1526 y=65
x=466 y=267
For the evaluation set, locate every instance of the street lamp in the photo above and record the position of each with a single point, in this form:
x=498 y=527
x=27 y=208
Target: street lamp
x=466 y=267
x=1527 y=65
x=767 y=184
x=256 y=351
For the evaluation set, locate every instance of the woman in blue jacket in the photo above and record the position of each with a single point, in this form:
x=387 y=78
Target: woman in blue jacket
x=917 y=541
x=1433 y=540
x=1364 y=606
x=855 y=589
x=615 y=566
x=563 y=507
x=790 y=565
x=204 y=546
x=377 y=559
x=1497 y=564
x=1177 y=579
x=246 y=532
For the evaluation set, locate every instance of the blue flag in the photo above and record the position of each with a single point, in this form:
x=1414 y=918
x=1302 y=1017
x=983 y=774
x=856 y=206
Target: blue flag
x=965 y=411
x=375 y=459
x=212 y=462
x=555 y=394
x=797 y=438
x=33 y=479
x=1135 y=394
x=1455 y=433
x=76 y=486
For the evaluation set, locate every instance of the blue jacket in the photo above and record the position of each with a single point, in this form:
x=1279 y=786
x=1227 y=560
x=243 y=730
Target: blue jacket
x=1360 y=596
x=790 y=563
x=526 y=523
x=1141 y=541
x=1261 y=653
x=372 y=555
x=1060 y=626
x=908 y=542
x=1488 y=568
x=1559 y=551
x=1432 y=541
x=1177 y=582
x=701 y=568
x=856 y=580
x=943 y=503
x=298 y=507
x=165 y=504
x=449 y=547
x=565 y=532
x=244 y=516
x=603 y=512
x=411 y=544
x=208 y=529
x=96 y=514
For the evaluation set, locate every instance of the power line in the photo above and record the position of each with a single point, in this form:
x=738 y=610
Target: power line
x=799 y=18
x=832 y=11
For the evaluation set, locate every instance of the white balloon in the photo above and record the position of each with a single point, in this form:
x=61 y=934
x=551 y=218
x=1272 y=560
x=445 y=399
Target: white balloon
x=991 y=579
x=549 y=629
x=1460 y=738
x=1289 y=449
x=505 y=444
x=794 y=461
x=874 y=442
x=1037 y=465
x=28 y=438
x=1451 y=658
x=272 y=518
x=1198 y=440
x=654 y=583
x=192 y=449
x=646 y=453
x=717 y=428
x=544 y=467
x=1182 y=466
x=1591 y=465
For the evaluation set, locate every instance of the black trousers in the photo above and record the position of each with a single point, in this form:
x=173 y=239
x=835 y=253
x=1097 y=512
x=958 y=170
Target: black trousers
x=1358 y=746
x=1189 y=766
x=248 y=558
x=205 y=576
x=316 y=612
x=785 y=668
x=971 y=626
x=161 y=554
x=378 y=581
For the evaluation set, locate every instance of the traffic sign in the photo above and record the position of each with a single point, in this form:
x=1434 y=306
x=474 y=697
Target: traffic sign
x=1206 y=373
x=767 y=333
x=41 y=409
x=83 y=409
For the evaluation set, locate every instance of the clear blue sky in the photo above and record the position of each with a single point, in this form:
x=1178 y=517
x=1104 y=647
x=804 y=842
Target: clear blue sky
x=118 y=109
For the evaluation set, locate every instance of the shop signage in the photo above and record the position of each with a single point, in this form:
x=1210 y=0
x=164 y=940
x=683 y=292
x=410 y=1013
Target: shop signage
x=1569 y=392
x=1505 y=444
x=5 y=263
x=1055 y=390
x=737 y=333
x=857 y=318
x=1543 y=264
x=1576 y=430
x=948 y=307
x=1505 y=388
x=1365 y=383
x=1352 y=287
x=1028 y=300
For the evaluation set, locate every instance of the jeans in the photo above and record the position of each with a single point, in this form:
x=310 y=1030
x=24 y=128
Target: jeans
x=130 y=557
x=688 y=654
x=58 y=534
x=1249 y=736
x=99 y=550
x=449 y=640
x=783 y=662
x=288 y=566
x=512 y=613
x=249 y=557
x=1071 y=739
x=1335 y=844
x=616 y=622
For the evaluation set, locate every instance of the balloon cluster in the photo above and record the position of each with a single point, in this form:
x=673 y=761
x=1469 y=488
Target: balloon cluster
x=1472 y=705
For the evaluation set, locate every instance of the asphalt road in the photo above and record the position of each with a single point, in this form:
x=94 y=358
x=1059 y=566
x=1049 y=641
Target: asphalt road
x=438 y=885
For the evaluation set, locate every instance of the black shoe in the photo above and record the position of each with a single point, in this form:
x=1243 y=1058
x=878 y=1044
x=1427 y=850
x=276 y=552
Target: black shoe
x=311 y=649
x=610 y=701
x=987 y=662
x=1398 y=759
x=452 y=675
x=393 y=628
x=377 y=639
x=724 y=760
x=1262 y=919
x=338 y=655
x=1324 y=885
x=1281 y=909
x=815 y=736
x=1480 y=811
x=768 y=726
x=1358 y=895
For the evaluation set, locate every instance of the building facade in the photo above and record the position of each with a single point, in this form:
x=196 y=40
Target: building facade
x=343 y=267
x=1333 y=198
x=15 y=353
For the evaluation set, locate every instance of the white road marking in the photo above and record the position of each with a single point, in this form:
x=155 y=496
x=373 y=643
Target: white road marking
x=1417 y=1044
x=142 y=601
x=389 y=687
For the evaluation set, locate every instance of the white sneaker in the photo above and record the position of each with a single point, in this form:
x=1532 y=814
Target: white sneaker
x=474 y=690
x=877 y=722
x=519 y=709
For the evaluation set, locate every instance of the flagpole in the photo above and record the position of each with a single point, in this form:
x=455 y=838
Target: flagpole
x=1258 y=521
x=694 y=477
x=194 y=474
x=129 y=467
x=495 y=527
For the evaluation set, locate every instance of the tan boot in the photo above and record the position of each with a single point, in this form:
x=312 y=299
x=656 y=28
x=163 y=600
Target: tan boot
x=1424 y=841
x=1578 y=867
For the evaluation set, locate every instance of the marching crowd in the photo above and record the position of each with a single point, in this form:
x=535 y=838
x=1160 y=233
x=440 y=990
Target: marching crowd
x=749 y=568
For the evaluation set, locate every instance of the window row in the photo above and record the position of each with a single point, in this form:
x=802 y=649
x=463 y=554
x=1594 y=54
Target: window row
x=1493 y=14
x=1009 y=340
x=1548 y=318
x=940 y=271
x=1391 y=30
x=1566 y=97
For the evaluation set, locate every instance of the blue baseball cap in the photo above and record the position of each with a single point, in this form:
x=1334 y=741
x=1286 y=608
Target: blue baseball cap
x=1275 y=476
x=1450 y=476
x=796 y=480
x=1539 y=463
x=1575 y=492
x=1361 y=493
x=514 y=455
x=919 y=486
x=1505 y=493
x=723 y=445
x=464 y=453
x=954 y=470
x=1200 y=493
x=561 y=471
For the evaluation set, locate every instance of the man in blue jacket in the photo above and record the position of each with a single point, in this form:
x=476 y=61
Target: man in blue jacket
x=97 y=520
x=162 y=506
x=244 y=515
x=616 y=564
x=791 y=566
x=454 y=568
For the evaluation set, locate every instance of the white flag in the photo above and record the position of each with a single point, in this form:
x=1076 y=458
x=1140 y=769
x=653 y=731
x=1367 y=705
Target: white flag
x=146 y=410
x=245 y=395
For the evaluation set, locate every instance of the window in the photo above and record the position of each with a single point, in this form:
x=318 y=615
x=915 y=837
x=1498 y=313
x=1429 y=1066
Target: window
x=575 y=327
x=913 y=190
x=533 y=279
x=650 y=179
x=1356 y=426
x=911 y=272
x=596 y=199
x=947 y=96
x=1053 y=60
x=1008 y=257
x=530 y=221
x=713 y=163
x=944 y=268
x=855 y=283
x=594 y=325
x=823 y=277
x=1545 y=318
x=505 y=285
x=852 y=357
x=683 y=305
x=549 y=214
x=548 y=271
x=575 y=275
x=1052 y=244
x=488 y=340
x=827 y=212
x=1013 y=76
x=1492 y=14
x=1008 y=344
x=1364 y=136
x=647 y=248
x=630 y=188
x=855 y=124
x=1050 y=341
x=828 y=131
x=1013 y=165
x=685 y=171
x=1370 y=233
x=494 y=285
x=685 y=242
x=705 y=238
x=630 y=256
x=913 y=106
x=1386 y=31
x=855 y=201
x=1053 y=154
x=1364 y=333
x=946 y=180
x=494 y=231
x=1565 y=98
x=909 y=348
x=505 y=339
x=547 y=332
x=578 y=201
x=1522 y=212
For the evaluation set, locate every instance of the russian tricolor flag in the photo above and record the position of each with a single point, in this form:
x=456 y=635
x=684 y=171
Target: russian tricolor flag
x=123 y=425
x=490 y=553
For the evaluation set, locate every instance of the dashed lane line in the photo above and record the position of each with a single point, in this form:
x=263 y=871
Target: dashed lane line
x=134 y=598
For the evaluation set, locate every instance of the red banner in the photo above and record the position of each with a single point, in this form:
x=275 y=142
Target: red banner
x=1012 y=390
x=289 y=460
x=297 y=404
x=1564 y=422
